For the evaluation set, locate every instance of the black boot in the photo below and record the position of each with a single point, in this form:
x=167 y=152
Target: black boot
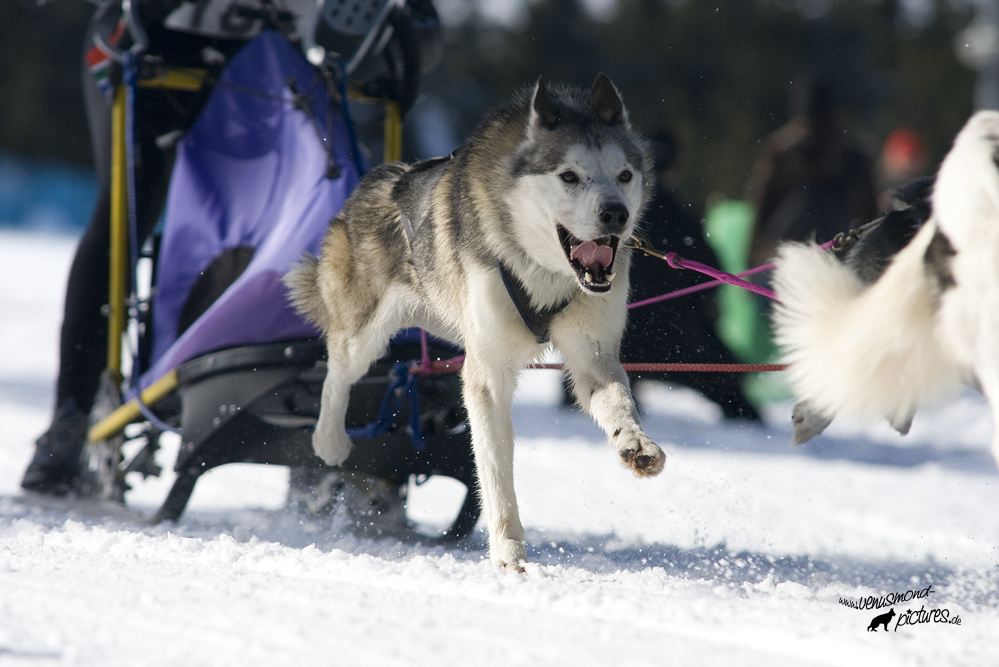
x=56 y=466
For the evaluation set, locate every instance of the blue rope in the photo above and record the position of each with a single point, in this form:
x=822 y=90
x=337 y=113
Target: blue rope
x=130 y=71
x=402 y=384
x=341 y=86
x=415 y=431
x=129 y=67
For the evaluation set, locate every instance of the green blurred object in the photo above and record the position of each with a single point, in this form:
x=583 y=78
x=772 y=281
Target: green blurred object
x=743 y=321
x=741 y=324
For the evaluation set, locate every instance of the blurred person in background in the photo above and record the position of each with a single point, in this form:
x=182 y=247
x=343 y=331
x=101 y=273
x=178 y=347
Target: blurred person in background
x=904 y=157
x=809 y=181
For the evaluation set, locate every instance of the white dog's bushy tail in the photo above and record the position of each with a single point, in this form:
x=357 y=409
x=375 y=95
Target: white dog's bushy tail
x=302 y=283
x=869 y=352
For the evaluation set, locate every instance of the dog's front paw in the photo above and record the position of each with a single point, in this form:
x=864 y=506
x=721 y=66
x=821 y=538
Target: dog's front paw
x=508 y=554
x=638 y=452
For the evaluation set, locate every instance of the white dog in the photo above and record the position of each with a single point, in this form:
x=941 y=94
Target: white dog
x=929 y=324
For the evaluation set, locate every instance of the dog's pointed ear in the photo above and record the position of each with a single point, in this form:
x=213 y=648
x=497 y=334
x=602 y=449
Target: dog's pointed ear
x=606 y=102
x=543 y=106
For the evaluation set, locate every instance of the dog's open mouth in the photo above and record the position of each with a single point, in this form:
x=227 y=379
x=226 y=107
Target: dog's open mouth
x=593 y=261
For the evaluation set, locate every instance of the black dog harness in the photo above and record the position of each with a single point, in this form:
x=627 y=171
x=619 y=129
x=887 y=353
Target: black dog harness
x=538 y=320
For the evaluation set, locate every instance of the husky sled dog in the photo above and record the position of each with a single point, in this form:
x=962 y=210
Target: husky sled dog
x=510 y=242
x=927 y=325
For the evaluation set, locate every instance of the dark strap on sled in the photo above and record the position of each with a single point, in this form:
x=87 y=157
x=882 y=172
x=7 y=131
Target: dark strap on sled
x=539 y=321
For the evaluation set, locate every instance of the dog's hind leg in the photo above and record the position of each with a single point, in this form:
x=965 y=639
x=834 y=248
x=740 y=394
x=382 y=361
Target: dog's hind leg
x=350 y=355
x=806 y=423
x=902 y=424
x=987 y=374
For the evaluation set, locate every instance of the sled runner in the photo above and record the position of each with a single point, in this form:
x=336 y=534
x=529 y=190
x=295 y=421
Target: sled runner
x=218 y=353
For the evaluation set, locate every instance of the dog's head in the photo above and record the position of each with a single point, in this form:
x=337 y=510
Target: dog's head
x=581 y=179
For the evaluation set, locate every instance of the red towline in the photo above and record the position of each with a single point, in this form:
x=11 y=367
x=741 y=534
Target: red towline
x=454 y=365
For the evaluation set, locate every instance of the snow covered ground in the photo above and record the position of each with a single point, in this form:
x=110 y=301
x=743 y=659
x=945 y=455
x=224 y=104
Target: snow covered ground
x=739 y=553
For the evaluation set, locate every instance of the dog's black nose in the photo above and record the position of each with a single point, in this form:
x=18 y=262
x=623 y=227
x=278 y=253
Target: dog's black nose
x=614 y=217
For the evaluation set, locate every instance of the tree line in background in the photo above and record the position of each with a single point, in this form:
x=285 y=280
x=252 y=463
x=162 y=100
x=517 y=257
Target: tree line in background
x=41 y=95
x=717 y=75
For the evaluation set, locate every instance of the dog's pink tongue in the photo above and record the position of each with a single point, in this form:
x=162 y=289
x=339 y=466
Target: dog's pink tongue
x=591 y=253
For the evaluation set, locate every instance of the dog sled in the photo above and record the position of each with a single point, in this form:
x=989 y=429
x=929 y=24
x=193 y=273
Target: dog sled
x=215 y=350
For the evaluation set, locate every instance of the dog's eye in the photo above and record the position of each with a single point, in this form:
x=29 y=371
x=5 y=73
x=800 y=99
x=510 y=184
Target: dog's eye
x=625 y=176
x=569 y=176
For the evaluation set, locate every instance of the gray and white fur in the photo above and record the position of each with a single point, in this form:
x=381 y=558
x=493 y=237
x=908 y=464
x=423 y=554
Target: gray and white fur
x=927 y=325
x=549 y=187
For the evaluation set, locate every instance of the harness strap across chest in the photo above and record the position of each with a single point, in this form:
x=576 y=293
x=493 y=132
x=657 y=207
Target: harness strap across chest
x=538 y=320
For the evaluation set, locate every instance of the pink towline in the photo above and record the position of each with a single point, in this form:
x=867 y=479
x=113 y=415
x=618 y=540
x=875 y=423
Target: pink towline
x=697 y=288
x=721 y=278
x=678 y=262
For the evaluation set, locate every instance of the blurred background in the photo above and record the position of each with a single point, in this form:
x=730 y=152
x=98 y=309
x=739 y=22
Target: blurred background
x=718 y=75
